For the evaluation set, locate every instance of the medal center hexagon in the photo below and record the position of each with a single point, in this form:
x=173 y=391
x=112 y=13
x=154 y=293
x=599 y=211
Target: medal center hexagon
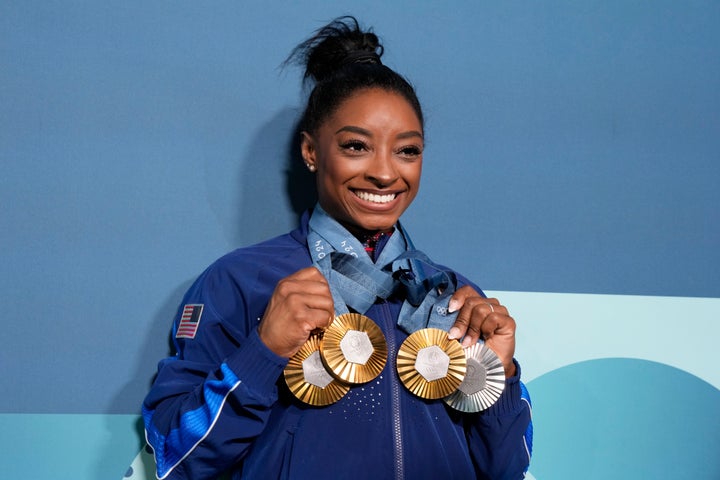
x=475 y=377
x=432 y=363
x=314 y=371
x=356 y=347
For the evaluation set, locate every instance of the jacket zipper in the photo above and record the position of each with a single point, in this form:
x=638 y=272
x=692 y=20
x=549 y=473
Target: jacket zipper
x=395 y=396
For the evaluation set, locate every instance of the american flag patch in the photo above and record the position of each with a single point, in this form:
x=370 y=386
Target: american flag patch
x=189 y=321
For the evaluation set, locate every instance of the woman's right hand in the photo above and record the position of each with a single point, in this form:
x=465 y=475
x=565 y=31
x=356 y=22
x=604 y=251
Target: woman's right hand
x=301 y=303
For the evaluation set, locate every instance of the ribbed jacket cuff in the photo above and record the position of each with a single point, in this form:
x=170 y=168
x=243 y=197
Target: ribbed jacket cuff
x=510 y=400
x=255 y=365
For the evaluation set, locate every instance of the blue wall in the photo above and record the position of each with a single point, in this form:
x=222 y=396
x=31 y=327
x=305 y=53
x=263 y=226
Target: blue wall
x=572 y=169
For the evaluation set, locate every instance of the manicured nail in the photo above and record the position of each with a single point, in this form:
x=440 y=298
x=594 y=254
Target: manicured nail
x=453 y=306
x=454 y=333
x=467 y=341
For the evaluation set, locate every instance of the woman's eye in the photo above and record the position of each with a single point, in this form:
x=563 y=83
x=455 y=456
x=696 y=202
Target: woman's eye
x=353 y=146
x=411 y=151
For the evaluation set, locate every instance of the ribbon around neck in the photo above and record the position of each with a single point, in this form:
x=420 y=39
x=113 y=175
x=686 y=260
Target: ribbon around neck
x=356 y=282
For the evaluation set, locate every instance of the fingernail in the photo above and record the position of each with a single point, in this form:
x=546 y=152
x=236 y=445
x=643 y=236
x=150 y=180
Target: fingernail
x=467 y=341
x=454 y=333
x=453 y=306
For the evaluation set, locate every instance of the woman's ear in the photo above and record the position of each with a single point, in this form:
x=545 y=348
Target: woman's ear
x=307 y=149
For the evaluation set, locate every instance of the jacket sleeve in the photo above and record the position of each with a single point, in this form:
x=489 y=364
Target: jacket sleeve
x=500 y=438
x=212 y=399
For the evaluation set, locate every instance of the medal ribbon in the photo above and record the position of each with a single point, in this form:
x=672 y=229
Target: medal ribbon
x=356 y=282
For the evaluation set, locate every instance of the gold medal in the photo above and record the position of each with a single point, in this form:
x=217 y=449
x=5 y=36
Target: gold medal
x=431 y=365
x=308 y=379
x=353 y=348
x=483 y=383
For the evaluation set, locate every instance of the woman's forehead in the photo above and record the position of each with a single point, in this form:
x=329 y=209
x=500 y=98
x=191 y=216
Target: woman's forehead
x=376 y=103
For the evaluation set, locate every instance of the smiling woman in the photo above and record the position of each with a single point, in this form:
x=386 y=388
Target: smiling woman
x=368 y=158
x=295 y=357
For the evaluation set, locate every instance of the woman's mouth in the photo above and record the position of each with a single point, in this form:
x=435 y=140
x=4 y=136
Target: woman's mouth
x=375 y=198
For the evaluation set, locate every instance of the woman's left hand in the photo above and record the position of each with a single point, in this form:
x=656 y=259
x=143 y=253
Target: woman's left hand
x=480 y=317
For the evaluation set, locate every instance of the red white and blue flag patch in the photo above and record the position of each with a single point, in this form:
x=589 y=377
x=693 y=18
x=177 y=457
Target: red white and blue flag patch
x=189 y=321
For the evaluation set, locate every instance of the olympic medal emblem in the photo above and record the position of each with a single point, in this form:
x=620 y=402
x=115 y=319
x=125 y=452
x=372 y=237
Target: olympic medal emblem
x=307 y=378
x=353 y=348
x=483 y=383
x=431 y=365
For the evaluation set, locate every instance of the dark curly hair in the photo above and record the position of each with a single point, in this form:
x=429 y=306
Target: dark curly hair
x=341 y=59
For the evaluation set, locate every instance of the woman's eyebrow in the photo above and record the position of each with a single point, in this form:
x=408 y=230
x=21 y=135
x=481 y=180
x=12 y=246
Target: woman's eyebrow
x=409 y=134
x=353 y=129
x=368 y=133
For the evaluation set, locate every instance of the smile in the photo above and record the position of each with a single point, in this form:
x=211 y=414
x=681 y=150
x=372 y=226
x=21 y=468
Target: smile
x=374 y=198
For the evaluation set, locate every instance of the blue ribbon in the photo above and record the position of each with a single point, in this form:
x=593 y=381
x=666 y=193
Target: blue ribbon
x=356 y=282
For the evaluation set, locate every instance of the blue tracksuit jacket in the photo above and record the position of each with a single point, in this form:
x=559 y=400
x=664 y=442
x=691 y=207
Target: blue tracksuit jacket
x=221 y=403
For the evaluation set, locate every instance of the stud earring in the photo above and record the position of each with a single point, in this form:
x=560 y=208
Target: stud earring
x=310 y=167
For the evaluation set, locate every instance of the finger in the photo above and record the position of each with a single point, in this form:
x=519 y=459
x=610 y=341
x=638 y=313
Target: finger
x=299 y=292
x=309 y=273
x=310 y=296
x=458 y=298
x=489 y=325
x=304 y=296
x=477 y=311
x=457 y=301
x=309 y=279
x=463 y=293
x=496 y=305
x=497 y=324
x=502 y=342
x=470 y=316
x=315 y=305
x=317 y=320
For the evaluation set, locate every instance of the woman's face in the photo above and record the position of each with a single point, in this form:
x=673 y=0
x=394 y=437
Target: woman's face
x=368 y=157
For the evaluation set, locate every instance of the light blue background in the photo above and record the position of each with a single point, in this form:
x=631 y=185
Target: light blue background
x=572 y=169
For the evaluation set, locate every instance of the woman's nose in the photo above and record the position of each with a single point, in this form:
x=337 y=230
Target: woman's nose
x=381 y=170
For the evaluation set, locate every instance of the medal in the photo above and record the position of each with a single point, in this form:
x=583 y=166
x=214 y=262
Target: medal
x=431 y=365
x=307 y=378
x=483 y=383
x=353 y=348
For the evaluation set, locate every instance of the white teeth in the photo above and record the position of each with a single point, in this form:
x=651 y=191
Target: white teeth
x=371 y=197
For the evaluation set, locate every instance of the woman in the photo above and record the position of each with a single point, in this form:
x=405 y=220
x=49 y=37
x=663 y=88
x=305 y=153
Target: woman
x=222 y=403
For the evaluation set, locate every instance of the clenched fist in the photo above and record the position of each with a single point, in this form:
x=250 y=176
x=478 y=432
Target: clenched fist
x=301 y=303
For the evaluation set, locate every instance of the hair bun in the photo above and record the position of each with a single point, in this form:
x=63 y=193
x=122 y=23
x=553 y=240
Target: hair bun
x=335 y=46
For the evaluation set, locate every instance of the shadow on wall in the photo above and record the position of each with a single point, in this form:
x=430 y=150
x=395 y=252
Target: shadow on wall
x=158 y=344
x=275 y=187
x=273 y=190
